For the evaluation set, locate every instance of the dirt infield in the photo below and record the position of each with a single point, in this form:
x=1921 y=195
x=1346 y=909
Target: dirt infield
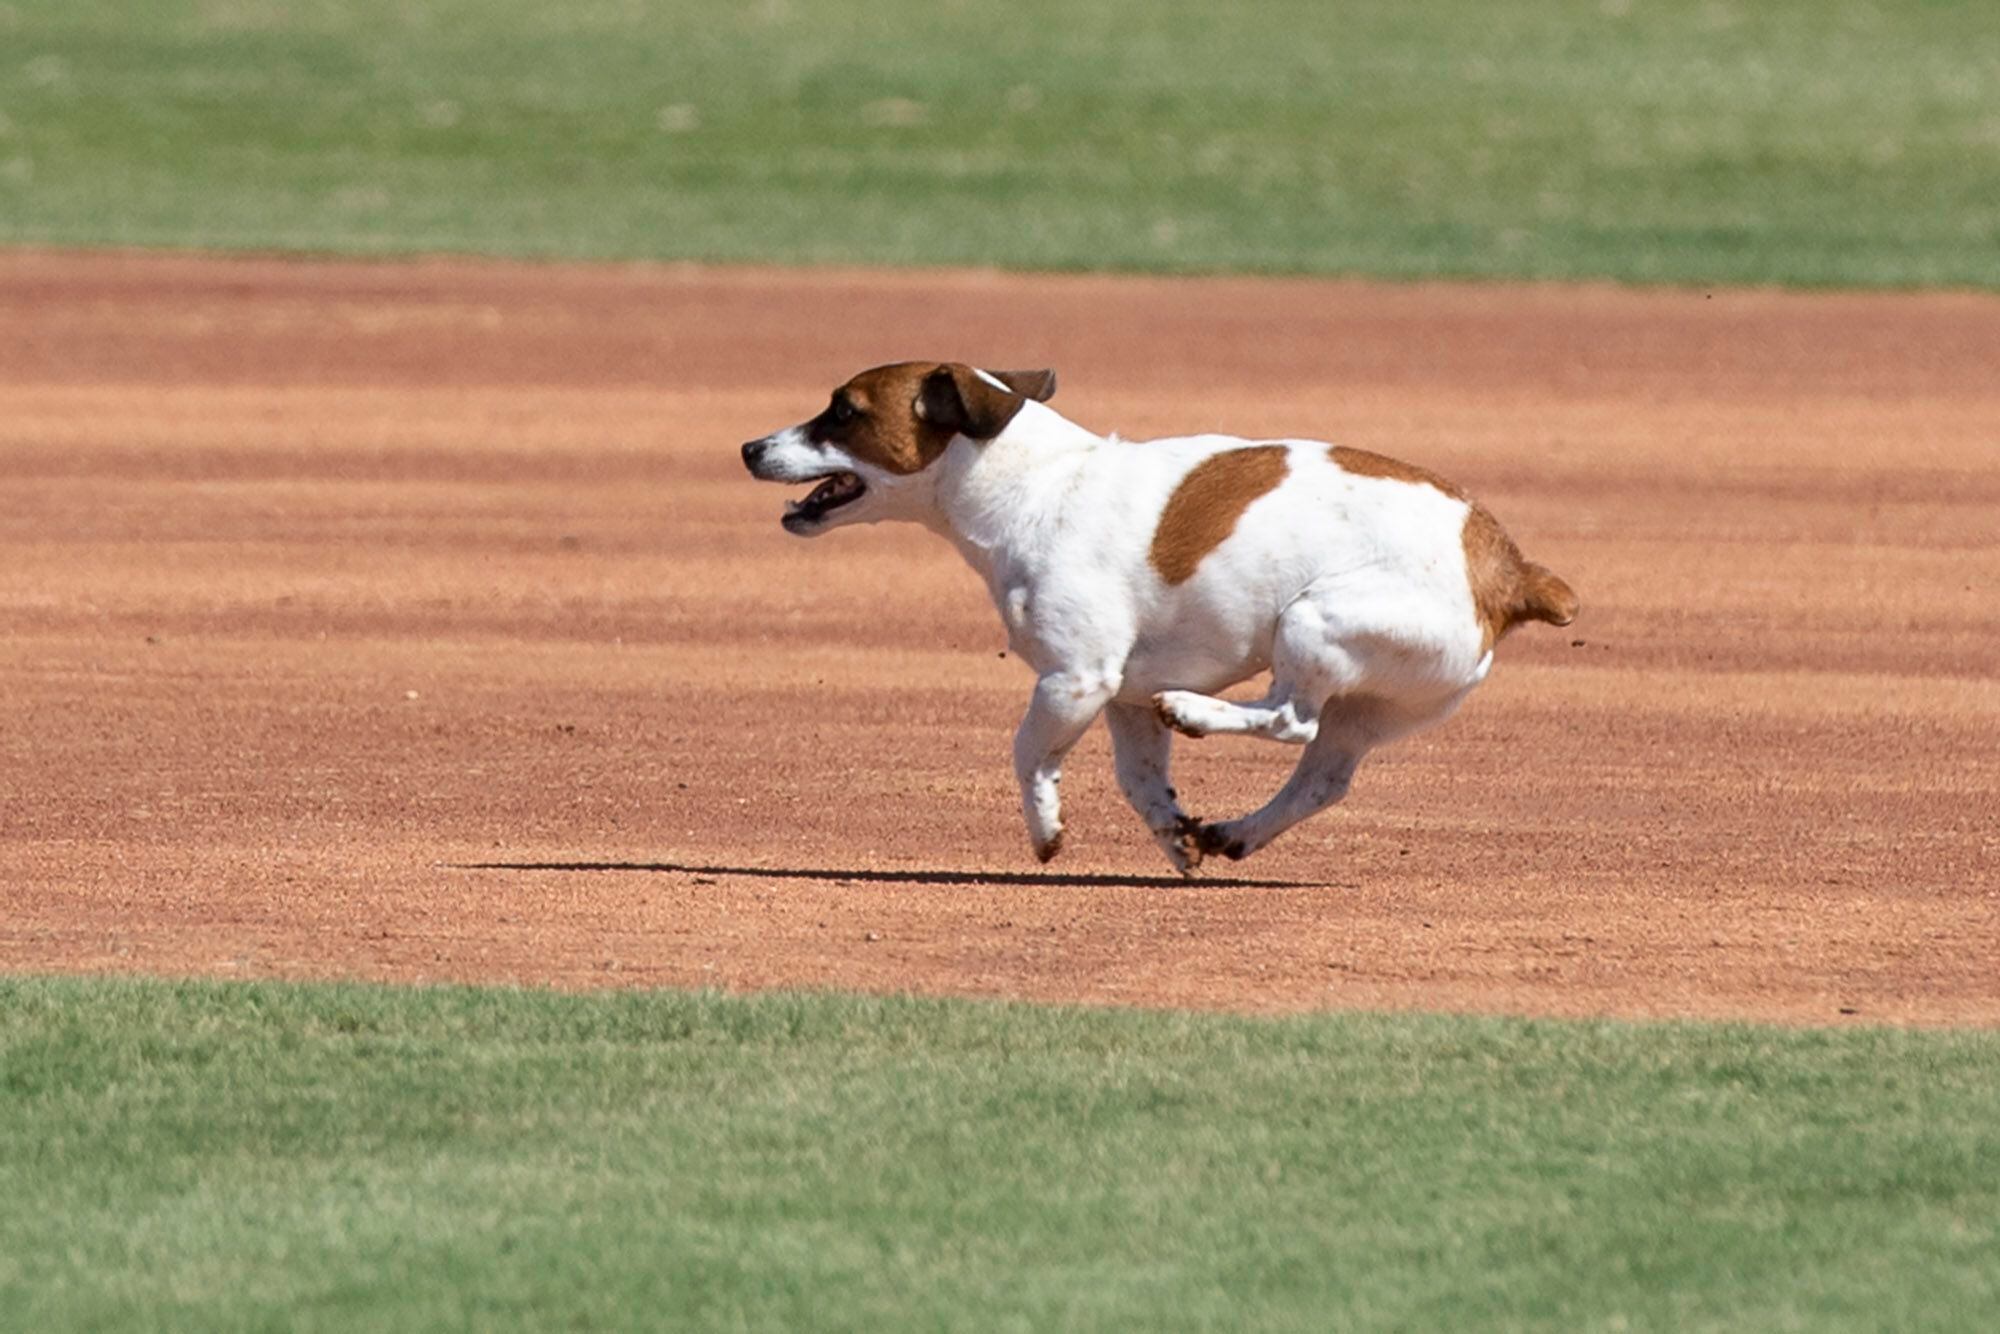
x=417 y=621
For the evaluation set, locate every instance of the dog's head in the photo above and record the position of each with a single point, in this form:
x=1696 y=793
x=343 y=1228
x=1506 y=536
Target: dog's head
x=882 y=429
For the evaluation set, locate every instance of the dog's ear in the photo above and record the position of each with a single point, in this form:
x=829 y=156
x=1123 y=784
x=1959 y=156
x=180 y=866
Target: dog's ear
x=959 y=399
x=1038 y=385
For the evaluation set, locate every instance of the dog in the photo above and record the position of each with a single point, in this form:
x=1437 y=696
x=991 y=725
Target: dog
x=1140 y=579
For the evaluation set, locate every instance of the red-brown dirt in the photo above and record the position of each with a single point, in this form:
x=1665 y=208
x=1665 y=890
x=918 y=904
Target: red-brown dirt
x=322 y=583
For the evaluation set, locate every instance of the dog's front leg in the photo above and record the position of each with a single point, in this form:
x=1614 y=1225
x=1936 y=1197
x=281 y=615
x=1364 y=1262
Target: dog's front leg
x=1143 y=748
x=1059 y=712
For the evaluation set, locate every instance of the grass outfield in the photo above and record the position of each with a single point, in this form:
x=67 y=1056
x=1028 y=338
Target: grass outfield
x=1796 y=141
x=236 y=1156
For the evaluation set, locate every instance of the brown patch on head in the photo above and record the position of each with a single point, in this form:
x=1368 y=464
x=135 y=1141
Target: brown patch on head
x=900 y=418
x=874 y=417
x=1204 y=508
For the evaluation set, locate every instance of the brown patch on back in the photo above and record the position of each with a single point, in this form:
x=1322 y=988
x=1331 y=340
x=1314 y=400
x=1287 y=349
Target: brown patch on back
x=1204 y=508
x=1507 y=588
x=1366 y=463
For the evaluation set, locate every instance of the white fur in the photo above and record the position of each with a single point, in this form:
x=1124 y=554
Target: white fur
x=1351 y=590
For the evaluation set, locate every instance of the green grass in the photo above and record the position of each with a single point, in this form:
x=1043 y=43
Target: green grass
x=1794 y=141
x=220 y=1157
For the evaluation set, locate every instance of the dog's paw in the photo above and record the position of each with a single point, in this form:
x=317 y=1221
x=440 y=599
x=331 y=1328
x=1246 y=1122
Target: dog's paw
x=1220 y=838
x=1046 y=850
x=1181 y=841
x=1167 y=708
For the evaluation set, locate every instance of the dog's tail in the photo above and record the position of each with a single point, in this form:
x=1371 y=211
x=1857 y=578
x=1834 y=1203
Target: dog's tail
x=1543 y=596
x=1508 y=588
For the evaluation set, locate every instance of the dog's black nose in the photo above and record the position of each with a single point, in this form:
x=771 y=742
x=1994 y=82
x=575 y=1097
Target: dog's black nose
x=754 y=451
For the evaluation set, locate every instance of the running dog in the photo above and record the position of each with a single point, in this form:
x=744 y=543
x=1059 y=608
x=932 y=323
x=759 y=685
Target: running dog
x=1139 y=579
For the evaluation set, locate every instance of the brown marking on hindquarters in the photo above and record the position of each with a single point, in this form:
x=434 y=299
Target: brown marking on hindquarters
x=1204 y=508
x=1493 y=569
x=901 y=417
x=1507 y=588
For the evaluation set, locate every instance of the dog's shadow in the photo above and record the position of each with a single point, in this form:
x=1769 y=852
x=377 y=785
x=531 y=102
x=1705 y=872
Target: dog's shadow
x=969 y=879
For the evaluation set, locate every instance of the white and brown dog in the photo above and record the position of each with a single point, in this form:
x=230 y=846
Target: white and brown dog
x=1137 y=580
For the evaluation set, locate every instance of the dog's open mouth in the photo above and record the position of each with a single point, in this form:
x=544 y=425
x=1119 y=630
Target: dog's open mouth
x=843 y=488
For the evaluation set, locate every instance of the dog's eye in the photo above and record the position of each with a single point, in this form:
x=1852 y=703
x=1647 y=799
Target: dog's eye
x=842 y=411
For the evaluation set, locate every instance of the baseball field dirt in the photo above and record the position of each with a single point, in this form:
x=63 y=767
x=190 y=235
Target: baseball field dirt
x=417 y=621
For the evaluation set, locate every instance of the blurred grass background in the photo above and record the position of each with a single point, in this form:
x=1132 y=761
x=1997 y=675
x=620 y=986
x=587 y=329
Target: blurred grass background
x=1850 y=142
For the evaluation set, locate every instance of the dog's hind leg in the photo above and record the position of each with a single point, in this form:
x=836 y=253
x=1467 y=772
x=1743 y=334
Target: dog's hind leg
x=1278 y=716
x=1320 y=779
x=1348 y=729
x=1142 y=747
x=1060 y=711
x=1308 y=666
